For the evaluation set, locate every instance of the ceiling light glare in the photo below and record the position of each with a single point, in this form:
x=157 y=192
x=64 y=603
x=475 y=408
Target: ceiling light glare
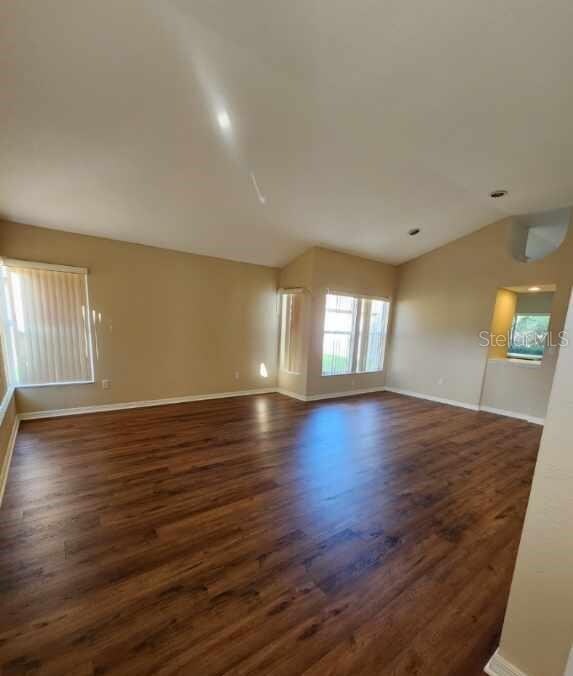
x=224 y=120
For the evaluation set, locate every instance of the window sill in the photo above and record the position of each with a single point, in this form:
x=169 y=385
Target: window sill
x=512 y=361
x=350 y=373
x=68 y=382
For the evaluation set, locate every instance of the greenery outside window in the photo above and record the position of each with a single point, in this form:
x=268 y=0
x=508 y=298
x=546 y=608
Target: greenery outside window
x=529 y=336
x=354 y=336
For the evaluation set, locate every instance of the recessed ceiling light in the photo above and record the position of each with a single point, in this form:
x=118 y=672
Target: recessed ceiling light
x=414 y=231
x=496 y=194
x=224 y=120
x=533 y=289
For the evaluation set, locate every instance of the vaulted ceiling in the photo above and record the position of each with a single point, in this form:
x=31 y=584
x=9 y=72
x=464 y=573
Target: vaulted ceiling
x=252 y=129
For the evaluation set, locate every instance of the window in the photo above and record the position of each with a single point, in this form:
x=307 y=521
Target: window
x=291 y=327
x=529 y=336
x=46 y=323
x=372 y=335
x=354 y=335
x=339 y=332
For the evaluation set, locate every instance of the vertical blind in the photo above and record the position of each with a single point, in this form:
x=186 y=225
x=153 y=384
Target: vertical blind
x=340 y=315
x=46 y=323
x=372 y=335
x=291 y=331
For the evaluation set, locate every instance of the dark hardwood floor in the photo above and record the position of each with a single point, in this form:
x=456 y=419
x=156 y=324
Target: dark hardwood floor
x=372 y=535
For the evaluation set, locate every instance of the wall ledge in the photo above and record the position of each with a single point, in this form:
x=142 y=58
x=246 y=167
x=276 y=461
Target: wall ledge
x=499 y=666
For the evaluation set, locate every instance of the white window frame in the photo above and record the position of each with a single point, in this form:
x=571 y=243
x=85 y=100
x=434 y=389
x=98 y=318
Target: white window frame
x=525 y=357
x=7 y=325
x=354 y=333
x=351 y=334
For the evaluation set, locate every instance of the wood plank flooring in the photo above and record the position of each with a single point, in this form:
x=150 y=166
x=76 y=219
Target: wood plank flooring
x=372 y=535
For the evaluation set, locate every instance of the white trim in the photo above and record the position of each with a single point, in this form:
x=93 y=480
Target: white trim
x=15 y=263
x=348 y=393
x=24 y=386
x=513 y=361
x=354 y=334
x=329 y=395
x=499 y=666
x=90 y=316
x=80 y=410
x=292 y=291
x=513 y=414
x=532 y=362
x=429 y=397
x=358 y=296
x=6 y=402
x=292 y=395
x=8 y=458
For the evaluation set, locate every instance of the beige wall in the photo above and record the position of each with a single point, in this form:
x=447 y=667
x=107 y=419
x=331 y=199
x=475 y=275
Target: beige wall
x=517 y=387
x=446 y=298
x=321 y=270
x=172 y=324
x=165 y=317
x=334 y=272
x=538 y=628
x=534 y=303
x=503 y=314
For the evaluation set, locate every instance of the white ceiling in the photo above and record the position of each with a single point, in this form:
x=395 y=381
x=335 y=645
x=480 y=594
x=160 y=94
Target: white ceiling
x=356 y=120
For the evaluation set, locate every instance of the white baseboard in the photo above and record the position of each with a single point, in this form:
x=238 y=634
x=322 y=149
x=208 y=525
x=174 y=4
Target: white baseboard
x=8 y=459
x=292 y=395
x=328 y=395
x=513 y=414
x=499 y=666
x=348 y=393
x=80 y=410
x=439 y=400
x=6 y=402
x=99 y=408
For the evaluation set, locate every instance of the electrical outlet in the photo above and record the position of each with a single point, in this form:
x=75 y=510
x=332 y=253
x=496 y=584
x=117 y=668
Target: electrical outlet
x=236 y=375
x=441 y=381
x=106 y=384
